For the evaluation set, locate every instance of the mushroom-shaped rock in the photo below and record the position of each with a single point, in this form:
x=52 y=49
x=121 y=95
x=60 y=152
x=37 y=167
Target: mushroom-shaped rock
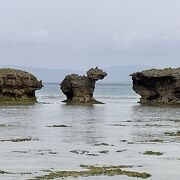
x=158 y=86
x=17 y=85
x=80 y=89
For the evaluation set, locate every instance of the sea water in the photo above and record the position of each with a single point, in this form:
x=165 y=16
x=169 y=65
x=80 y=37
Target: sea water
x=121 y=127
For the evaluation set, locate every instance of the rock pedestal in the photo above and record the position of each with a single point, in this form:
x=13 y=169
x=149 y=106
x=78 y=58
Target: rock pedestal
x=80 y=89
x=158 y=86
x=17 y=85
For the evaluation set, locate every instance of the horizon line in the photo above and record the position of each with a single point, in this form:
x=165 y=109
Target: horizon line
x=46 y=68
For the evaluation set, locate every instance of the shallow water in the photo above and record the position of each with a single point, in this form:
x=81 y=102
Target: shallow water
x=121 y=123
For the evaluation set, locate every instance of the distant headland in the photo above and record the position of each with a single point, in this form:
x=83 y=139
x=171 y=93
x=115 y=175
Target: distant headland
x=116 y=74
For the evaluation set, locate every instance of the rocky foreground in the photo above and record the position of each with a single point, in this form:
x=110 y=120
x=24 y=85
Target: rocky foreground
x=158 y=86
x=17 y=85
x=80 y=89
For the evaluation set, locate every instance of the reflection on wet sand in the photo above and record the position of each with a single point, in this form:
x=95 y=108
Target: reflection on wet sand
x=86 y=123
x=151 y=123
x=54 y=136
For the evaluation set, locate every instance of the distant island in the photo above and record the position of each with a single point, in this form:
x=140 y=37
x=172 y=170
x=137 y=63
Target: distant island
x=116 y=74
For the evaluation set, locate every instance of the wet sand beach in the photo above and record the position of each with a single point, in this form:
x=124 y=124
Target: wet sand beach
x=50 y=136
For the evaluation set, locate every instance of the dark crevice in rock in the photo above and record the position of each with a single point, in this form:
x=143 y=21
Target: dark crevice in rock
x=156 y=96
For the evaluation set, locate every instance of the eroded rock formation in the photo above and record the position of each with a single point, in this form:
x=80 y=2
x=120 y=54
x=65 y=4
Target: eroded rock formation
x=80 y=89
x=160 y=86
x=17 y=85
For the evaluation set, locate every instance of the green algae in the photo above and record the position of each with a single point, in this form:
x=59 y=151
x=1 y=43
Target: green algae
x=153 y=125
x=103 y=144
x=74 y=151
x=116 y=125
x=6 y=125
x=107 y=167
x=19 y=140
x=173 y=133
x=153 y=153
x=53 y=153
x=104 y=152
x=123 y=140
x=121 y=150
x=61 y=125
x=21 y=173
x=46 y=152
x=79 y=151
x=92 y=154
x=23 y=152
x=157 y=140
x=4 y=172
x=3 y=125
x=7 y=102
x=94 y=171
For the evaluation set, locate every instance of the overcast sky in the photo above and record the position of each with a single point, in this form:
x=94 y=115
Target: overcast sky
x=78 y=34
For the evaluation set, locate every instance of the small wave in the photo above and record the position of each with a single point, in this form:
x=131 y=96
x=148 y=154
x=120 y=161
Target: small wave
x=45 y=103
x=50 y=97
x=116 y=97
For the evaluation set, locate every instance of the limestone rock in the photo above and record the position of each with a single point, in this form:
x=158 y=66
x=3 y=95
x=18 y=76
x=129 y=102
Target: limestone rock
x=158 y=86
x=17 y=85
x=80 y=89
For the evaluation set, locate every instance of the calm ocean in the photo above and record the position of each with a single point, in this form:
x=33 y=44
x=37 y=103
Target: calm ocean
x=121 y=127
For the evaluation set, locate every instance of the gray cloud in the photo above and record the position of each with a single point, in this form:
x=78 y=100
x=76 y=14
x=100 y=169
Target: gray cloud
x=82 y=33
x=38 y=37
